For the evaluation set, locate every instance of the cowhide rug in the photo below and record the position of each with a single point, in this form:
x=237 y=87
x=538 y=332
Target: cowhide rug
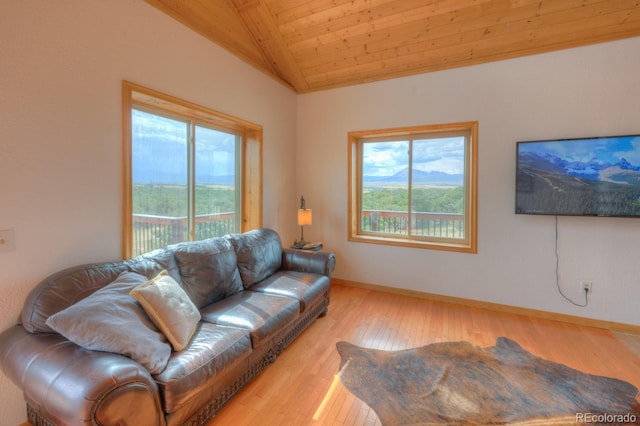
x=459 y=383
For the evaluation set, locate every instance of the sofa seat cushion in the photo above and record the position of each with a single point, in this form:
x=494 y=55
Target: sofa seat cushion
x=212 y=350
x=305 y=287
x=262 y=314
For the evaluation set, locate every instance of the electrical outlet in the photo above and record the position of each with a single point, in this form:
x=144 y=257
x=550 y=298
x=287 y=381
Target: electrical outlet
x=586 y=286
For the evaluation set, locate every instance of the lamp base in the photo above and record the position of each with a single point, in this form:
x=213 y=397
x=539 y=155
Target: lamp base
x=305 y=245
x=299 y=243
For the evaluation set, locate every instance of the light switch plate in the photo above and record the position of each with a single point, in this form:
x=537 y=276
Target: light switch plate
x=7 y=240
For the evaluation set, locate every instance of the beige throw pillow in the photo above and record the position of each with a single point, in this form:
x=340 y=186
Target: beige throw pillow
x=169 y=307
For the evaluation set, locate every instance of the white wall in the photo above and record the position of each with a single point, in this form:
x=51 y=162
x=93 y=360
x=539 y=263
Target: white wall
x=590 y=91
x=61 y=68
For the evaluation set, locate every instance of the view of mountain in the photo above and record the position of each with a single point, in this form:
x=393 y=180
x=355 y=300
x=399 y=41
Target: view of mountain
x=419 y=177
x=159 y=153
x=548 y=184
x=622 y=172
x=145 y=174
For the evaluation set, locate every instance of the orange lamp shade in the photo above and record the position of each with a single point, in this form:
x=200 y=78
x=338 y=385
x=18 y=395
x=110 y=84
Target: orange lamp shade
x=304 y=217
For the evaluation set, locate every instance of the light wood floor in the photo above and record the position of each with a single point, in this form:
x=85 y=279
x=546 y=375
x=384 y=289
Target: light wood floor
x=302 y=388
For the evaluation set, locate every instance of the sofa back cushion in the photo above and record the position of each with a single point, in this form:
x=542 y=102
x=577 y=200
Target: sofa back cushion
x=259 y=254
x=208 y=270
x=64 y=288
x=152 y=263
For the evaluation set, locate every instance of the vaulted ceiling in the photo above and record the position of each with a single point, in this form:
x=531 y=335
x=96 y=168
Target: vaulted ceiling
x=314 y=45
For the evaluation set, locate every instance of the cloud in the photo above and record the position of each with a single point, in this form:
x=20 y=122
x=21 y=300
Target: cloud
x=606 y=150
x=384 y=158
x=441 y=155
x=387 y=158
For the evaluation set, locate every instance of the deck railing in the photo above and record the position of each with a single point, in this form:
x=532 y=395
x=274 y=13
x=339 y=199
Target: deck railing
x=439 y=225
x=151 y=232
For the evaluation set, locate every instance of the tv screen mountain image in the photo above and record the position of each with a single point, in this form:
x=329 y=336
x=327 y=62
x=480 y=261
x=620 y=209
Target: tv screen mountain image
x=579 y=177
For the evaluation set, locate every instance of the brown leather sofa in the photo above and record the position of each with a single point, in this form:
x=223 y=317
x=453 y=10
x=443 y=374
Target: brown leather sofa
x=240 y=332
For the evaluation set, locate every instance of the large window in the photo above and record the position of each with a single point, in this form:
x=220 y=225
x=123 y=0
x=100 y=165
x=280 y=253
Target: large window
x=415 y=186
x=190 y=173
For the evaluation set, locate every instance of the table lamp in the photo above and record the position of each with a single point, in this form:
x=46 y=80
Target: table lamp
x=304 y=218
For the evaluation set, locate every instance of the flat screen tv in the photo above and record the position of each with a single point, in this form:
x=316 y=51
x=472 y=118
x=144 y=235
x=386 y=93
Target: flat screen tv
x=579 y=177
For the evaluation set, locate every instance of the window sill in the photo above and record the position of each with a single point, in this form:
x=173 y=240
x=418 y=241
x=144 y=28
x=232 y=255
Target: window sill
x=447 y=245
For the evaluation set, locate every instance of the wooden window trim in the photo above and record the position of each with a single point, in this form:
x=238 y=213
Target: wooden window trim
x=251 y=134
x=470 y=243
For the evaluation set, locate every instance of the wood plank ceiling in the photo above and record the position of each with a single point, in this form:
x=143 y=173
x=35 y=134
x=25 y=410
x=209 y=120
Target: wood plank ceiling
x=314 y=45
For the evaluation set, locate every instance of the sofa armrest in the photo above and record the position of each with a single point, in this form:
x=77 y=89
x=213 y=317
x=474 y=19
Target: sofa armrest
x=66 y=384
x=317 y=262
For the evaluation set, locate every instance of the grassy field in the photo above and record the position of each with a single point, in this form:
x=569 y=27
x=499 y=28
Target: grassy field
x=172 y=200
x=425 y=198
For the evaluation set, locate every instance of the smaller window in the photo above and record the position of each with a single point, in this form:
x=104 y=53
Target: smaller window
x=415 y=186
